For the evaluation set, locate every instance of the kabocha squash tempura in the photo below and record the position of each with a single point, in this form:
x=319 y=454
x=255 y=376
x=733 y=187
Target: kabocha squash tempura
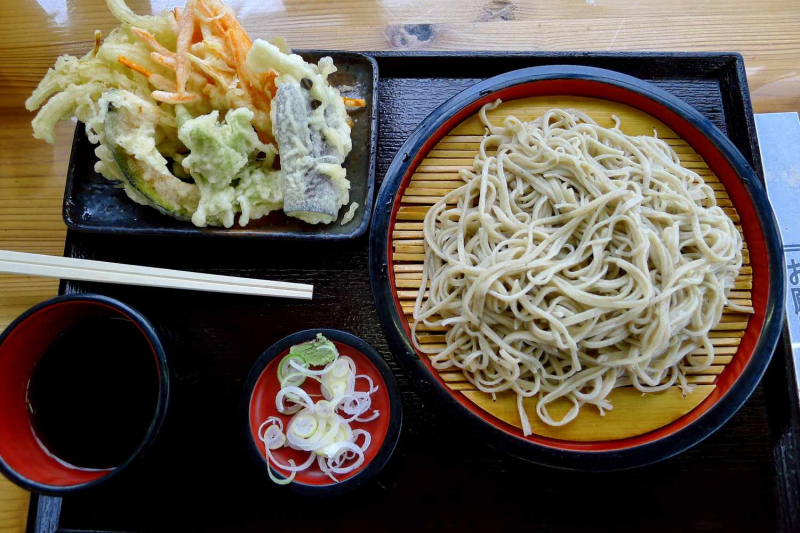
x=189 y=117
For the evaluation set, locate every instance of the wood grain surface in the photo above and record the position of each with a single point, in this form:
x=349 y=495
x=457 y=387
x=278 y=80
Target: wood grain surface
x=34 y=32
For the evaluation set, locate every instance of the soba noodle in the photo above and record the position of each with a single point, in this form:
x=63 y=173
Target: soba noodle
x=575 y=259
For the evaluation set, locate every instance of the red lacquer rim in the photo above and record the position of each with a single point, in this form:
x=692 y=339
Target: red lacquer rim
x=716 y=162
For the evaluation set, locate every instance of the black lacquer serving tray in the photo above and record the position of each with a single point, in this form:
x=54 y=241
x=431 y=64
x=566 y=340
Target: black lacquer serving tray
x=198 y=477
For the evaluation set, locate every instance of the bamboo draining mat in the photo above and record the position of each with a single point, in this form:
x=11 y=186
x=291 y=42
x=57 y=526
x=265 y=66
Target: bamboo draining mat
x=633 y=413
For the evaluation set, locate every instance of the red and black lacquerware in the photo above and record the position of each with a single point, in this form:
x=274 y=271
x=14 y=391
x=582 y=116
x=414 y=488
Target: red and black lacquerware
x=24 y=459
x=258 y=403
x=740 y=377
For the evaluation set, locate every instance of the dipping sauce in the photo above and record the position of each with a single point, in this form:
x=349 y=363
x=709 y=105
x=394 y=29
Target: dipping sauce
x=93 y=394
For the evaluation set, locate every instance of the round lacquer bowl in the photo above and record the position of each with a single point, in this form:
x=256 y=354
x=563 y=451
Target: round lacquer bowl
x=258 y=404
x=24 y=458
x=640 y=429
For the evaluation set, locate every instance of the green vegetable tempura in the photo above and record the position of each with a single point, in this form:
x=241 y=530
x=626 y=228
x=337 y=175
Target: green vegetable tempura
x=223 y=161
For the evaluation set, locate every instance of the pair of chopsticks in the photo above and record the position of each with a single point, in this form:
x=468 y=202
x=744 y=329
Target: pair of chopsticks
x=88 y=270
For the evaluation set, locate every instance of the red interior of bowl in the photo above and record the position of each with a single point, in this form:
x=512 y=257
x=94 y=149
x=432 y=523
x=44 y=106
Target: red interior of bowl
x=19 y=353
x=716 y=162
x=262 y=406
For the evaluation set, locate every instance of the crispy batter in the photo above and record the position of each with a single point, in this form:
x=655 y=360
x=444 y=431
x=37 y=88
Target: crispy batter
x=163 y=84
x=192 y=24
x=185 y=31
x=221 y=78
x=169 y=62
x=175 y=98
x=98 y=40
x=354 y=102
x=172 y=18
x=150 y=40
x=134 y=66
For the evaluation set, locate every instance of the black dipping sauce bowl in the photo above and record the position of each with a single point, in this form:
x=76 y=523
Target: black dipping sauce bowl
x=24 y=459
x=258 y=403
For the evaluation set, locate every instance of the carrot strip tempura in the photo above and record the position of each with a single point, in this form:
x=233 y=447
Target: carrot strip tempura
x=220 y=21
x=134 y=66
x=169 y=62
x=220 y=17
x=222 y=79
x=172 y=18
x=354 y=102
x=268 y=82
x=150 y=40
x=162 y=84
x=185 y=32
x=175 y=98
x=237 y=45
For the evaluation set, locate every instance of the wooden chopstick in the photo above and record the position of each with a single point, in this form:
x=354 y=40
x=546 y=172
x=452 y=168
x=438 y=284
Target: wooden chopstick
x=89 y=270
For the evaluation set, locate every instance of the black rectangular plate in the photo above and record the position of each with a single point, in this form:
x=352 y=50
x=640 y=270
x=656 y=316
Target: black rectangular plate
x=94 y=204
x=197 y=477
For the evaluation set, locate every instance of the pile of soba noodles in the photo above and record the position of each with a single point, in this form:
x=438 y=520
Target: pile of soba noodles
x=575 y=259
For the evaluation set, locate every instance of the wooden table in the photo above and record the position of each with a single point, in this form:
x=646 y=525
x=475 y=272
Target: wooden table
x=34 y=32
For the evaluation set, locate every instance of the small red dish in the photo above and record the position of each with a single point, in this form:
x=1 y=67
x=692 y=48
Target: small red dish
x=258 y=404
